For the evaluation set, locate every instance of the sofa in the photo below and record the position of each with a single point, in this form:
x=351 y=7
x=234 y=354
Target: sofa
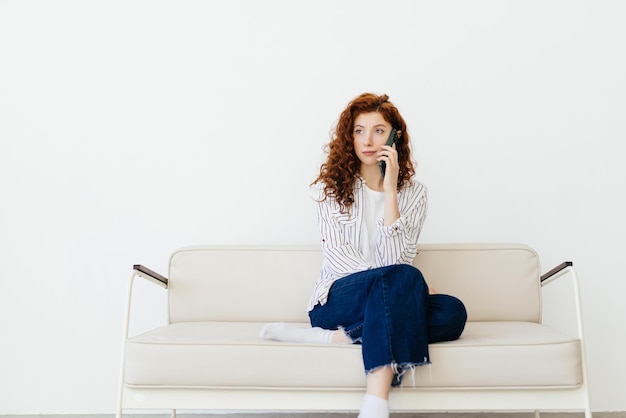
x=209 y=356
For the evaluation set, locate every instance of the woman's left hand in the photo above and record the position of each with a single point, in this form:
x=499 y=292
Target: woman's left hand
x=389 y=155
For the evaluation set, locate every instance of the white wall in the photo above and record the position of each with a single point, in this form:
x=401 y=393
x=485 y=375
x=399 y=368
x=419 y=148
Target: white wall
x=130 y=128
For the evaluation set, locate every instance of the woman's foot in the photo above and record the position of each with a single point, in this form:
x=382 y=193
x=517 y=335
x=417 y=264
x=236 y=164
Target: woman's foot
x=281 y=331
x=374 y=407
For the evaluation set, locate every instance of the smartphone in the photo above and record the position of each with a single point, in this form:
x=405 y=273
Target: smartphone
x=393 y=139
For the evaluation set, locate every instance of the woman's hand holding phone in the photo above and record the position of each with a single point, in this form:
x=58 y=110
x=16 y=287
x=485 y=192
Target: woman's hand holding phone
x=388 y=161
x=389 y=156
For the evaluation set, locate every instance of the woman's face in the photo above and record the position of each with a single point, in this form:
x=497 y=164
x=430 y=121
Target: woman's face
x=370 y=133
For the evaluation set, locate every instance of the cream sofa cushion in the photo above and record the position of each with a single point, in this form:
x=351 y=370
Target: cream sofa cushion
x=230 y=354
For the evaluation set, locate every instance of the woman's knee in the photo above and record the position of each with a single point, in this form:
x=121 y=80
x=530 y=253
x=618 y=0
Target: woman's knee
x=406 y=273
x=446 y=317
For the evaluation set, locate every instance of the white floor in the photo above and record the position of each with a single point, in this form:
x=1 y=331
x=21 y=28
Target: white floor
x=333 y=415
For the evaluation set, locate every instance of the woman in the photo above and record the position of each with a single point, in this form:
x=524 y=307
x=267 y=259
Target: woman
x=370 y=216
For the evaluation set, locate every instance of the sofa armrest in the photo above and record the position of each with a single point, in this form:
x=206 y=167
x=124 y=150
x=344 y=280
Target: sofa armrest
x=146 y=273
x=150 y=275
x=567 y=269
x=556 y=270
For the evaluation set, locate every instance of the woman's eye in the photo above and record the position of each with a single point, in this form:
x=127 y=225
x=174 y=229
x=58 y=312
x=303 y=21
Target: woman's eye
x=358 y=131
x=380 y=131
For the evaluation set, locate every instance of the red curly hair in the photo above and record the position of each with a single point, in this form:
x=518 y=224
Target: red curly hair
x=341 y=168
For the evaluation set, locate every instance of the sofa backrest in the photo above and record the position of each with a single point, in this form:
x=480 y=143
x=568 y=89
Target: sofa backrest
x=496 y=282
x=274 y=283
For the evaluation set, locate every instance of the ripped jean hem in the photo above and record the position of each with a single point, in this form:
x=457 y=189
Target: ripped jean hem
x=348 y=333
x=400 y=369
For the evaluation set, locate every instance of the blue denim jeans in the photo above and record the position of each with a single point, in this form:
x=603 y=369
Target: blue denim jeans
x=389 y=311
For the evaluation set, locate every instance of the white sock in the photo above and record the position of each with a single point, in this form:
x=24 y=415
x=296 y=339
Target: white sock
x=374 y=407
x=281 y=331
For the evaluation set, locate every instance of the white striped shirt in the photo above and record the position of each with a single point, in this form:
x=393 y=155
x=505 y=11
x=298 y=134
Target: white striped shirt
x=341 y=234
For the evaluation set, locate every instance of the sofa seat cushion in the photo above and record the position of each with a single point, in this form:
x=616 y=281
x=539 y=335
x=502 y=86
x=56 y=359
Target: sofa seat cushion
x=230 y=354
